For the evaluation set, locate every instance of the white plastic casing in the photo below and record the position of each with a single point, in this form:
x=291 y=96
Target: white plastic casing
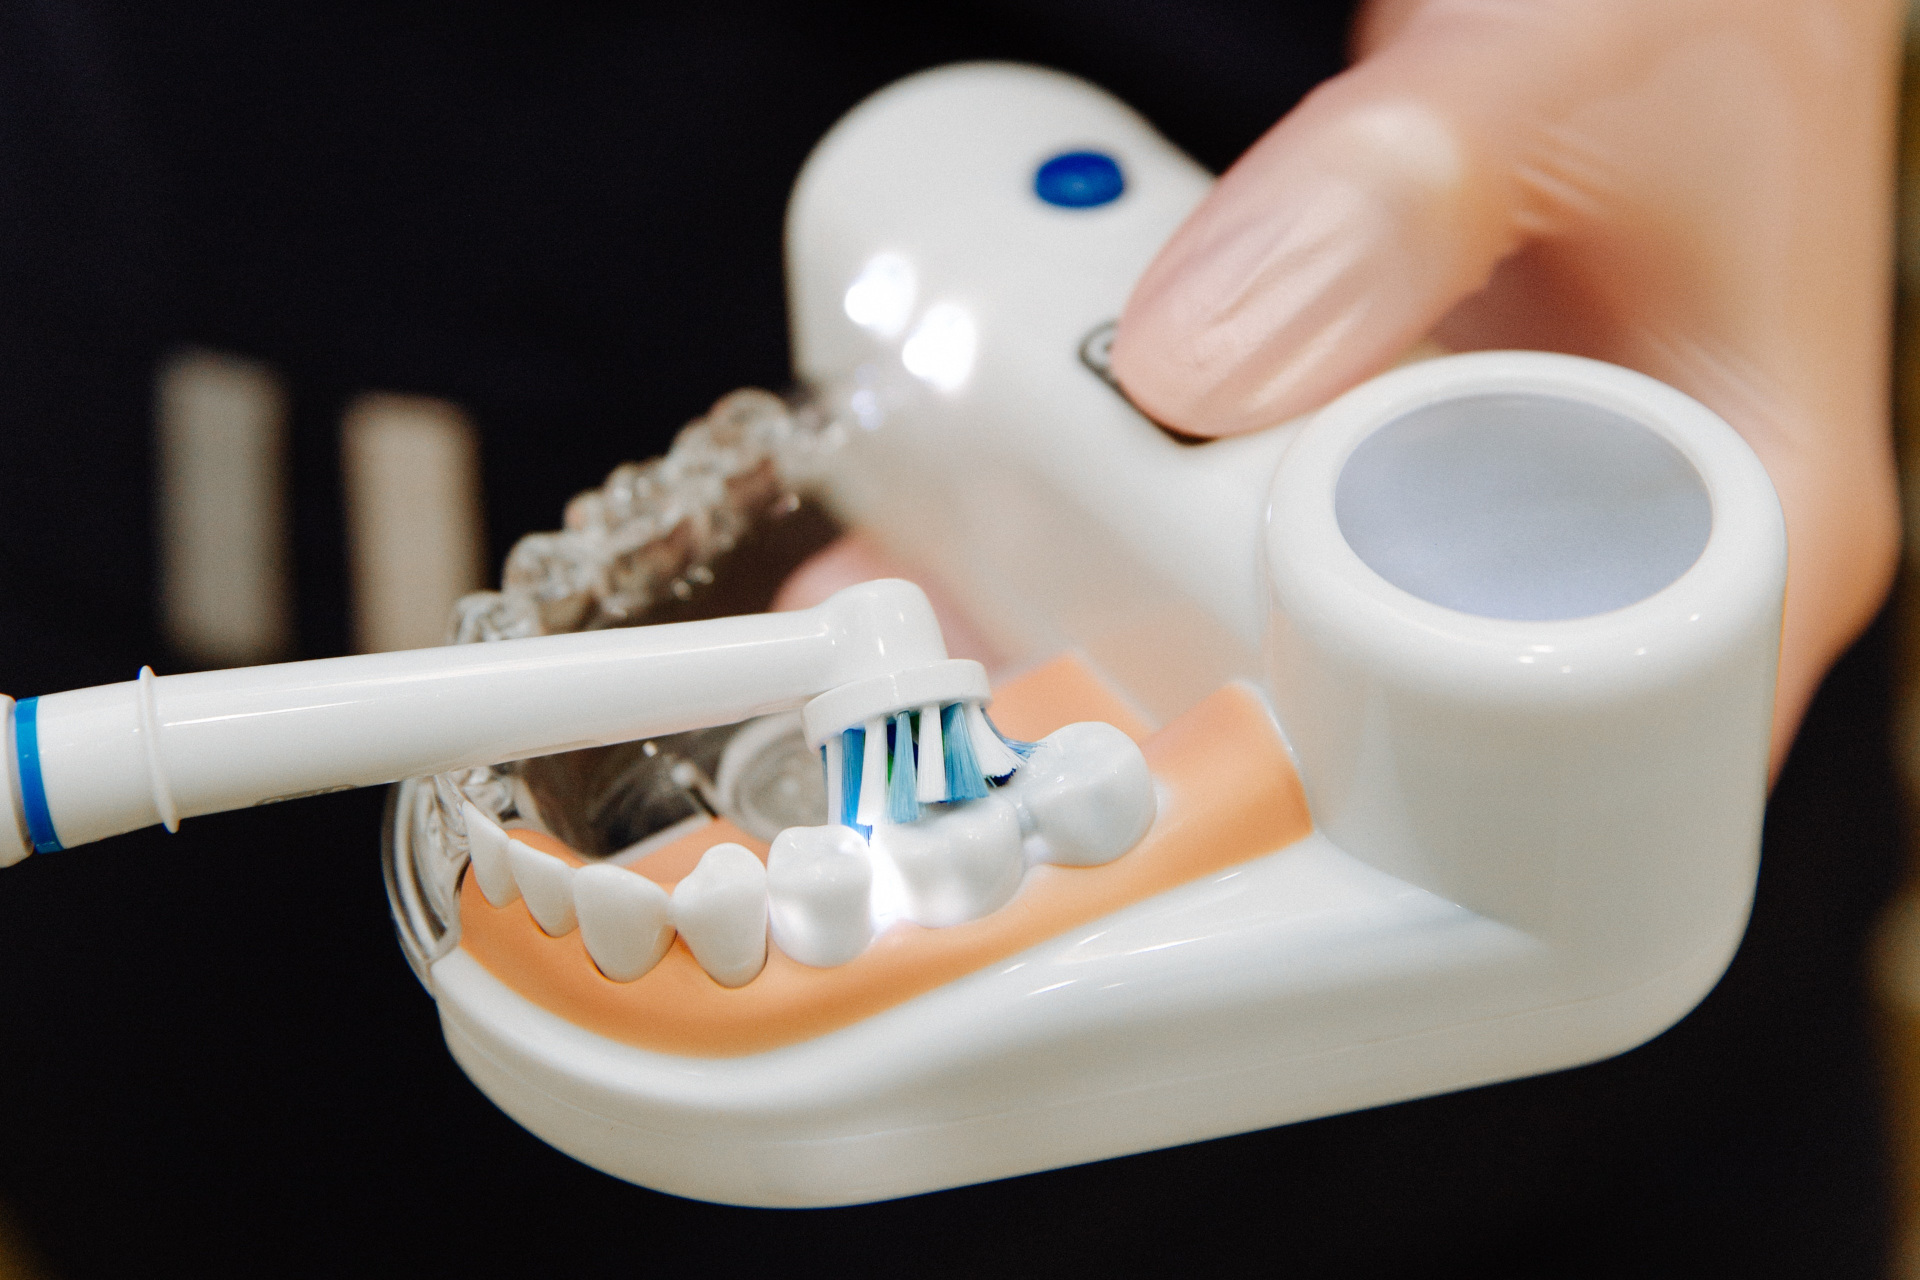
x=1031 y=490
x=1596 y=781
x=1521 y=864
x=123 y=756
x=933 y=684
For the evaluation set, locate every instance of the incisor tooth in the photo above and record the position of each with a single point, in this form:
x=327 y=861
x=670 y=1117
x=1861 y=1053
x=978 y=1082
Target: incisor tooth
x=547 y=884
x=1084 y=796
x=721 y=910
x=487 y=855
x=819 y=890
x=626 y=920
x=958 y=863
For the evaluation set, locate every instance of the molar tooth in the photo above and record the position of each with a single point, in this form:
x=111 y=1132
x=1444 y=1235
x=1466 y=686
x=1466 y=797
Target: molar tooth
x=819 y=890
x=958 y=863
x=547 y=884
x=487 y=855
x=626 y=920
x=721 y=910
x=1085 y=796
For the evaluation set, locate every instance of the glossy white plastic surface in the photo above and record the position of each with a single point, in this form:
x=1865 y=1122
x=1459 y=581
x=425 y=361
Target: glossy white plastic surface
x=1299 y=985
x=1031 y=489
x=1537 y=838
x=934 y=684
x=1597 y=780
x=216 y=740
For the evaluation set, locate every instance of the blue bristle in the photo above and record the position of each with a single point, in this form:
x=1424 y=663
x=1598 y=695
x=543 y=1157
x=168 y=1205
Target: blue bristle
x=902 y=804
x=853 y=753
x=1022 y=749
x=964 y=779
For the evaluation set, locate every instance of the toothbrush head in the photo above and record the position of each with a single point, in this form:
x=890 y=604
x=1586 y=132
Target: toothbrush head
x=892 y=744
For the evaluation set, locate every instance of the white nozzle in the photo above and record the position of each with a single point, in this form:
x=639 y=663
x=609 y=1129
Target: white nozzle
x=95 y=762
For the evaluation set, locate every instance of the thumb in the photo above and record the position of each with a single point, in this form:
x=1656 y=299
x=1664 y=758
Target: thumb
x=1357 y=222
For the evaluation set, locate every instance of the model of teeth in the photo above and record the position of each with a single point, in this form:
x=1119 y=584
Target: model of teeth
x=958 y=862
x=1084 y=797
x=721 y=910
x=626 y=920
x=819 y=891
x=547 y=885
x=487 y=854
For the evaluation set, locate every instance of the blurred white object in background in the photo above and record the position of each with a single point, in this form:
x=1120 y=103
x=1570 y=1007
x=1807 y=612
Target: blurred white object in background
x=410 y=466
x=221 y=422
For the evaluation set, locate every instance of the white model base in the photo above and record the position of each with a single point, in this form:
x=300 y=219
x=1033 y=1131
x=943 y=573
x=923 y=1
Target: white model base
x=1517 y=615
x=1302 y=984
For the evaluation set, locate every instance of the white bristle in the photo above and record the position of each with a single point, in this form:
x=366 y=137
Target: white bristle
x=835 y=751
x=932 y=788
x=996 y=758
x=873 y=775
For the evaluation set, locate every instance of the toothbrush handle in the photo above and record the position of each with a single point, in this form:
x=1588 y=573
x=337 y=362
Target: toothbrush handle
x=96 y=762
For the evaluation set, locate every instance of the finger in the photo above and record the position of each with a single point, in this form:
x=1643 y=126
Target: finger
x=1358 y=221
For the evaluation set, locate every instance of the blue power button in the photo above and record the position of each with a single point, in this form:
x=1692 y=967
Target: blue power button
x=1079 y=180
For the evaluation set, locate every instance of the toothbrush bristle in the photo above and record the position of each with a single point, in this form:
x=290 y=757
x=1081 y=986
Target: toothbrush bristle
x=931 y=785
x=998 y=760
x=964 y=779
x=887 y=769
x=903 y=802
x=1022 y=749
x=830 y=765
x=873 y=773
x=853 y=755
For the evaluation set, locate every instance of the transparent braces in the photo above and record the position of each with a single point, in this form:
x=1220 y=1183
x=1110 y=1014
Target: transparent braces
x=707 y=529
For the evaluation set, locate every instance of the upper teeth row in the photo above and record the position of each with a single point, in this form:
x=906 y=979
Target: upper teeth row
x=1084 y=797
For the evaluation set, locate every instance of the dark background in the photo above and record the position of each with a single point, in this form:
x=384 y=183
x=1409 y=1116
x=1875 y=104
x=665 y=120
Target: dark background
x=566 y=217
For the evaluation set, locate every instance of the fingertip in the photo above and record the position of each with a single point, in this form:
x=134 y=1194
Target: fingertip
x=1295 y=370
x=1145 y=364
x=1330 y=248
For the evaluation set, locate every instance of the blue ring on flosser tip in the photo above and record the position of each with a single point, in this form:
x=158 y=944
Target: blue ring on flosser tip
x=33 y=788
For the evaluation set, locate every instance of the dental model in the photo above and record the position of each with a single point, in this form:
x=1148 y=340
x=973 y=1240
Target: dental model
x=1082 y=796
x=1452 y=703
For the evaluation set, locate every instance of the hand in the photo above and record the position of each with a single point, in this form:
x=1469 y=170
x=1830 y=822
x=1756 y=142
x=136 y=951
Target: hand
x=1697 y=189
